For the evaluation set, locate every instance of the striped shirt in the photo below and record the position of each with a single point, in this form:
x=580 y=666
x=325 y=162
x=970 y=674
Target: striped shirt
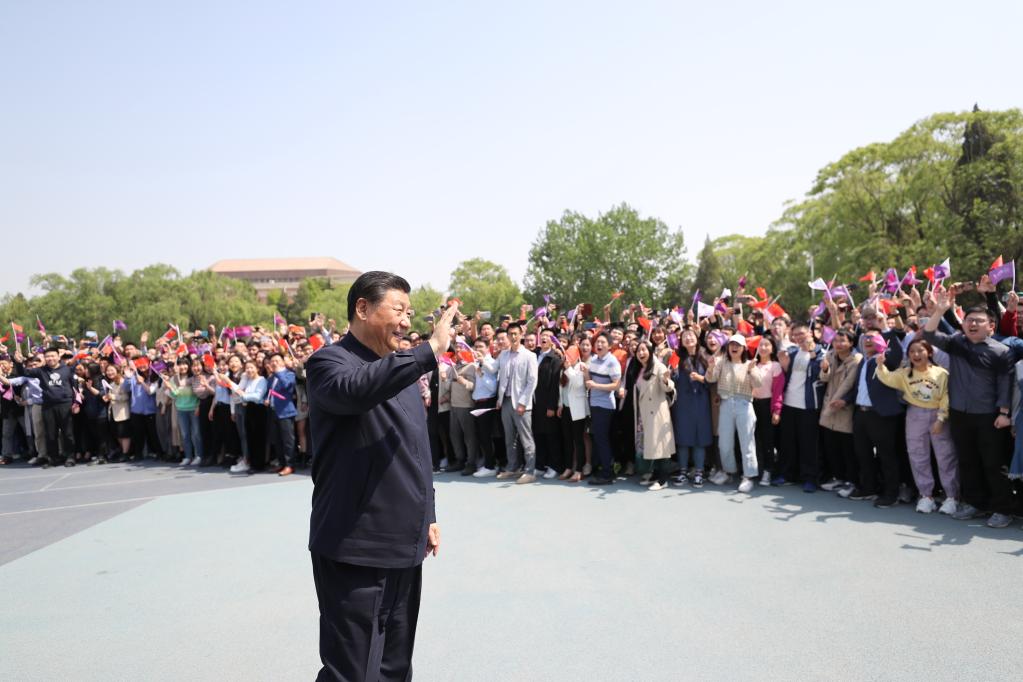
x=606 y=370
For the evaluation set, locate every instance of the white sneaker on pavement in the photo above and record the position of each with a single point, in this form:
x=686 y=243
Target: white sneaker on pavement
x=241 y=467
x=831 y=485
x=484 y=472
x=765 y=478
x=746 y=486
x=657 y=485
x=550 y=473
x=719 y=478
x=949 y=506
x=925 y=505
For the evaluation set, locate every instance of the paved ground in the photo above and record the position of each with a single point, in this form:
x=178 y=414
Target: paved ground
x=157 y=573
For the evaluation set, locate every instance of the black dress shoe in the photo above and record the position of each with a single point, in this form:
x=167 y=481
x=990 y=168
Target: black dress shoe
x=600 y=481
x=69 y=462
x=468 y=472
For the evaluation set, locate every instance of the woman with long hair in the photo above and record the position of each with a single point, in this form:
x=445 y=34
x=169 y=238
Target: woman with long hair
x=735 y=376
x=574 y=411
x=690 y=413
x=653 y=393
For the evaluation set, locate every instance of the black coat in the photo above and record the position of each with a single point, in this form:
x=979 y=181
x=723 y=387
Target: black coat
x=548 y=385
x=372 y=473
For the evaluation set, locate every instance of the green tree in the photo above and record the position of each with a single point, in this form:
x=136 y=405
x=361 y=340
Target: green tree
x=708 y=271
x=582 y=260
x=484 y=285
x=425 y=299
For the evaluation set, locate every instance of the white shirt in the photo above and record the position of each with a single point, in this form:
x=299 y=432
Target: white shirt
x=795 y=392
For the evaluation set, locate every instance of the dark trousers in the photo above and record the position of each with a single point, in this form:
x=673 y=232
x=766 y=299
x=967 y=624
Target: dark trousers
x=600 y=430
x=225 y=435
x=547 y=438
x=143 y=432
x=484 y=425
x=623 y=433
x=99 y=442
x=206 y=427
x=573 y=444
x=840 y=452
x=368 y=620
x=872 y=431
x=58 y=427
x=982 y=451
x=255 y=432
x=765 y=435
x=799 y=444
x=282 y=432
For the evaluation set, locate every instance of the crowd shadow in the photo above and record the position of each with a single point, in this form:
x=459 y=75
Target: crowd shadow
x=922 y=532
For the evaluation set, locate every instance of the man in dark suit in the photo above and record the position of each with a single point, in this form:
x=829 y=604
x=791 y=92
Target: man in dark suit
x=373 y=520
x=546 y=425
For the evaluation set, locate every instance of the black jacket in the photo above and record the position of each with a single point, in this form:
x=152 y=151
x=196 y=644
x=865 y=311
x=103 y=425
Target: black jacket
x=548 y=385
x=372 y=473
x=58 y=385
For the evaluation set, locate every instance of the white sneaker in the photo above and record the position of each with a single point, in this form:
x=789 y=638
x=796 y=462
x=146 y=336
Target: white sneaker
x=746 y=486
x=657 y=485
x=926 y=505
x=184 y=462
x=550 y=473
x=831 y=485
x=765 y=478
x=484 y=472
x=646 y=478
x=241 y=467
x=949 y=506
x=444 y=464
x=196 y=461
x=720 y=478
x=587 y=470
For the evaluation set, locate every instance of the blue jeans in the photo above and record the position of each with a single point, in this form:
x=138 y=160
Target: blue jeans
x=191 y=438
x=600 y=430
x=698 y=455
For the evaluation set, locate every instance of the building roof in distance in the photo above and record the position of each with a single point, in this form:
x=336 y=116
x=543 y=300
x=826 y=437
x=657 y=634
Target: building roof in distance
x=268 y=264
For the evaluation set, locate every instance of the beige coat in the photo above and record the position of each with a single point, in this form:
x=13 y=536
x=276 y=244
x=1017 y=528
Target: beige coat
x=839 y=379
x=652 y=403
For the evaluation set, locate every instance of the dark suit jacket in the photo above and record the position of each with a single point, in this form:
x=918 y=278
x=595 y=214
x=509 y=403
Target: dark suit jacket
x=885 y=400
x=372 y=472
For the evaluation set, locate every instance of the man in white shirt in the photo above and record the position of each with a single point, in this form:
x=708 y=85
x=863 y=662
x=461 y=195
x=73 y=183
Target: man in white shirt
x=517 y=377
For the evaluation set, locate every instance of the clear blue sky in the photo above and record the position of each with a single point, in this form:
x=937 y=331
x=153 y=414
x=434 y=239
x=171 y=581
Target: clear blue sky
x=413 y=135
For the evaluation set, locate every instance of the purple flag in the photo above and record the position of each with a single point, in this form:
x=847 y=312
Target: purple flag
x=943 y=271
x=541 y=312
x=547 y=299
x=697 y=297
x=1006 y=271
x=159 y=366
x=891 y=281
x=19 y=337
x=827 y=335
x=571 y=314
x=120 y=326
x=673 y=340
x=910 y=279
x=819 y=310
x=742 y=282
x=243 y=331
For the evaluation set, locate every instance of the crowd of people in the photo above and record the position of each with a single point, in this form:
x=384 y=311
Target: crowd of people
x=905 y=398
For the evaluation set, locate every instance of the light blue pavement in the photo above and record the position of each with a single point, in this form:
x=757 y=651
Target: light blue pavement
x=541 y=582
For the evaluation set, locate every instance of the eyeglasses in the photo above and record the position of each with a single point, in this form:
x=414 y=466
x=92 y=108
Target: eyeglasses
x=975 y=320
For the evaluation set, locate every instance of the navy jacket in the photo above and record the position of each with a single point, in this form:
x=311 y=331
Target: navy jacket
x=813 y=389
x=885 y=400
x=372 y=471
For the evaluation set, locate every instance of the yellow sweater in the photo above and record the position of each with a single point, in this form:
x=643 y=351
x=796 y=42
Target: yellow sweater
x=928 y=390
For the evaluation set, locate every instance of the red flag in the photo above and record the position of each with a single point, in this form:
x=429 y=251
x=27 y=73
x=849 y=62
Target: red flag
x=997 y=264
x=673 y=361
x=467 y=356
x=869 y=277
x=644 y=323
x=929 y=274
x=283 y=343
x=18 y=329
x=296 y=329
x=761 y=305
x=208 y=361
x=141 y=363
x=616 y=295
x=181 y=350
x=752 y=343
x=170 y=334
x=81 y=355
x=889 y=305
x=744 y=328
x=224 y=381
x=761 y=293
x=5 y=338
x=316 y=341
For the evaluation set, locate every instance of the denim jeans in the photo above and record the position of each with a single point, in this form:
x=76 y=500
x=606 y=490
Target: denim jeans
x=600 y=430
x=191 y=437
x=697 y=454
x=736 y=414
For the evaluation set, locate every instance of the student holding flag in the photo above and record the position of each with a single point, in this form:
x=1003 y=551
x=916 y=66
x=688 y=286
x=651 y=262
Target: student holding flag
x=281 y=400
